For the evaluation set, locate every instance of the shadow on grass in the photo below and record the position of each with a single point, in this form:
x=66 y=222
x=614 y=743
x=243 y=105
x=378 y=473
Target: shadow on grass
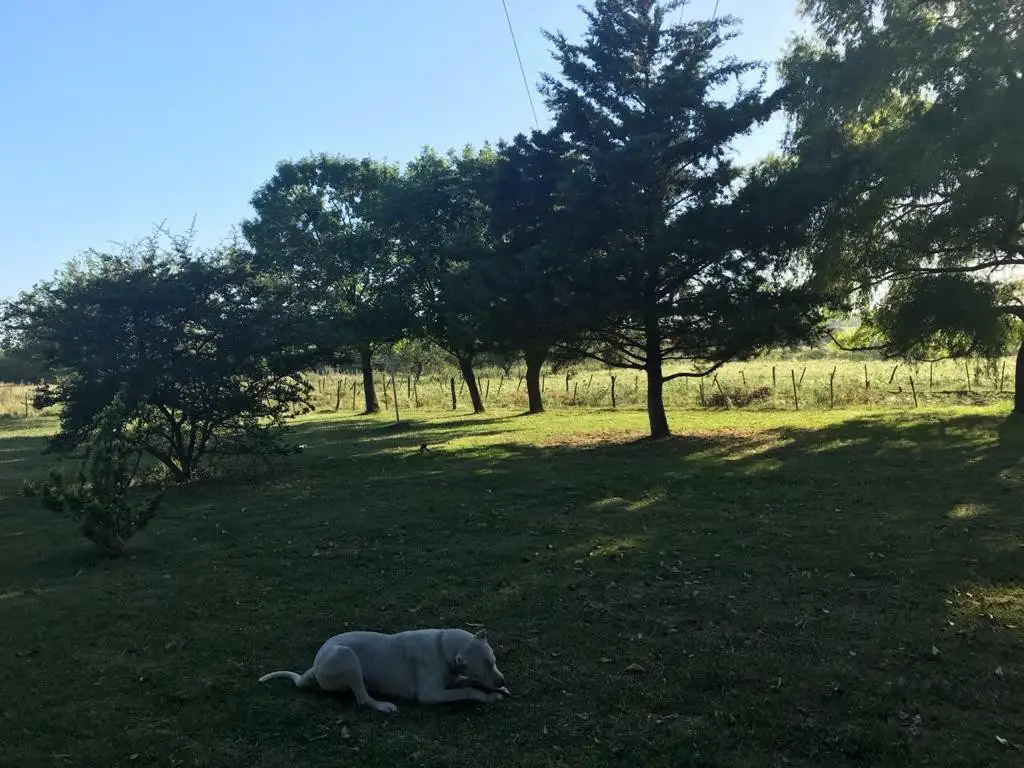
x=838 y=595
x=409 y=433
x=20 y=457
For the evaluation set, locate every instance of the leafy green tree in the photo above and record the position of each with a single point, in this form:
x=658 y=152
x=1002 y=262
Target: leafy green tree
x=418 y=356
x=692 y=255
x=315 y=232
x=915 y=107
x=535 y=287
x=208 y=362
x=440 y=216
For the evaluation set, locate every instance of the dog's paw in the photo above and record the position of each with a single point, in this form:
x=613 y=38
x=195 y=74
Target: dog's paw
x=385 y=706
x=498 y=695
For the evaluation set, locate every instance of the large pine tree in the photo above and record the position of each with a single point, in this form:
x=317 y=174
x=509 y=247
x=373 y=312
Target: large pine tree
x=690 y=246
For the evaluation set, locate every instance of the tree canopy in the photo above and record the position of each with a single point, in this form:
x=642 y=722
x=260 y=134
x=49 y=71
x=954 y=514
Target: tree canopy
x=205 y=360
x=916 y=107
x=439 y=214
x=538 y=287
x=316 y=232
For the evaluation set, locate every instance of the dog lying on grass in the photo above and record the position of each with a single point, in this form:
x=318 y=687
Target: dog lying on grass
x=430 y=666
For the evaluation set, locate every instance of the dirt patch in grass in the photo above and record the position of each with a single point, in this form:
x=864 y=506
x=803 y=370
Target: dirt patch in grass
x=590 y=439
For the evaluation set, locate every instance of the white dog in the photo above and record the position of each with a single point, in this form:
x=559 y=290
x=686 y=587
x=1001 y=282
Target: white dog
x=431 y=666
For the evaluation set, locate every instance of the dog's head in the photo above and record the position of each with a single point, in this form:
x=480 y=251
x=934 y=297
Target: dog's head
x=475 y=660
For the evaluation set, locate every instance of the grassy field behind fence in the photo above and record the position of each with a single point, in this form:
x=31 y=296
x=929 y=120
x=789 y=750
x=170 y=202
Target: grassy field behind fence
x=758 y=384
x=766 y=384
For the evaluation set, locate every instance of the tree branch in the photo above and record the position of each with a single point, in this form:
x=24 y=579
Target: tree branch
x=693 y=374
x=871 y=348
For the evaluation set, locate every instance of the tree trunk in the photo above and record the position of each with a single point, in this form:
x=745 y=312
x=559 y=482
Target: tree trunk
x=534 y=362
x=655 y=396
x=656 y=402
x=369 y=390
x=466 y=367
x=1018 y=384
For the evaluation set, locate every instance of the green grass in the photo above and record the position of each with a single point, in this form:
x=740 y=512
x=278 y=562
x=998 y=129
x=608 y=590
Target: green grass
x=803 y=589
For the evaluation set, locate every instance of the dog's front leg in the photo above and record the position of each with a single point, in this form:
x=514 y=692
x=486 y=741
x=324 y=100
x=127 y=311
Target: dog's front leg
x=461 y=681
x=449 y=695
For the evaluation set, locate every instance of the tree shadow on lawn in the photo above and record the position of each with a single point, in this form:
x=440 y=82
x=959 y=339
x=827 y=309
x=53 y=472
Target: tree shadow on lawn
x=378 y=435
x=839 y=595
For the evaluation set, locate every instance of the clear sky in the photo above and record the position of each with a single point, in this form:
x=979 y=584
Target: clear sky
x=118 y=114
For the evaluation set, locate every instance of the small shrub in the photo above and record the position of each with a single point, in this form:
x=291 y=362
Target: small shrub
x=97 y=496
x=744 y=398
x=739 y=397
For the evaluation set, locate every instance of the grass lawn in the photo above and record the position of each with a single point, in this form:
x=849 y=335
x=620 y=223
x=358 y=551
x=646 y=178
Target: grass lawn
x=801 y=589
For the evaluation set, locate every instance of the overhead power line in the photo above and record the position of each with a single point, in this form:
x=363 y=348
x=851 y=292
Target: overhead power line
x=522 y=70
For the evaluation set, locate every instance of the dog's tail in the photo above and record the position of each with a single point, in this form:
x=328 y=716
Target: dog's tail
x=299 y=680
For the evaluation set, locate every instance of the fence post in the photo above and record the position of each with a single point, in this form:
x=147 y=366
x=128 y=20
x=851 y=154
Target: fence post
x=725 y=397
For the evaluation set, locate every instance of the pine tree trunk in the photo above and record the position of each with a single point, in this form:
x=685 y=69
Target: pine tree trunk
x=656 y=402
x=655 y=395
x=466 y=367
x=369 y=390
x=534 y=362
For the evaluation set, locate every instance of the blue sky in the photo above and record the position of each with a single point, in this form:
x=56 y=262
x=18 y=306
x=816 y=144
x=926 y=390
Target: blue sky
x=119 y=114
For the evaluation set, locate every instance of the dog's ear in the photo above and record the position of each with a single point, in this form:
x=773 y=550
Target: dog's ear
x=481 y=635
